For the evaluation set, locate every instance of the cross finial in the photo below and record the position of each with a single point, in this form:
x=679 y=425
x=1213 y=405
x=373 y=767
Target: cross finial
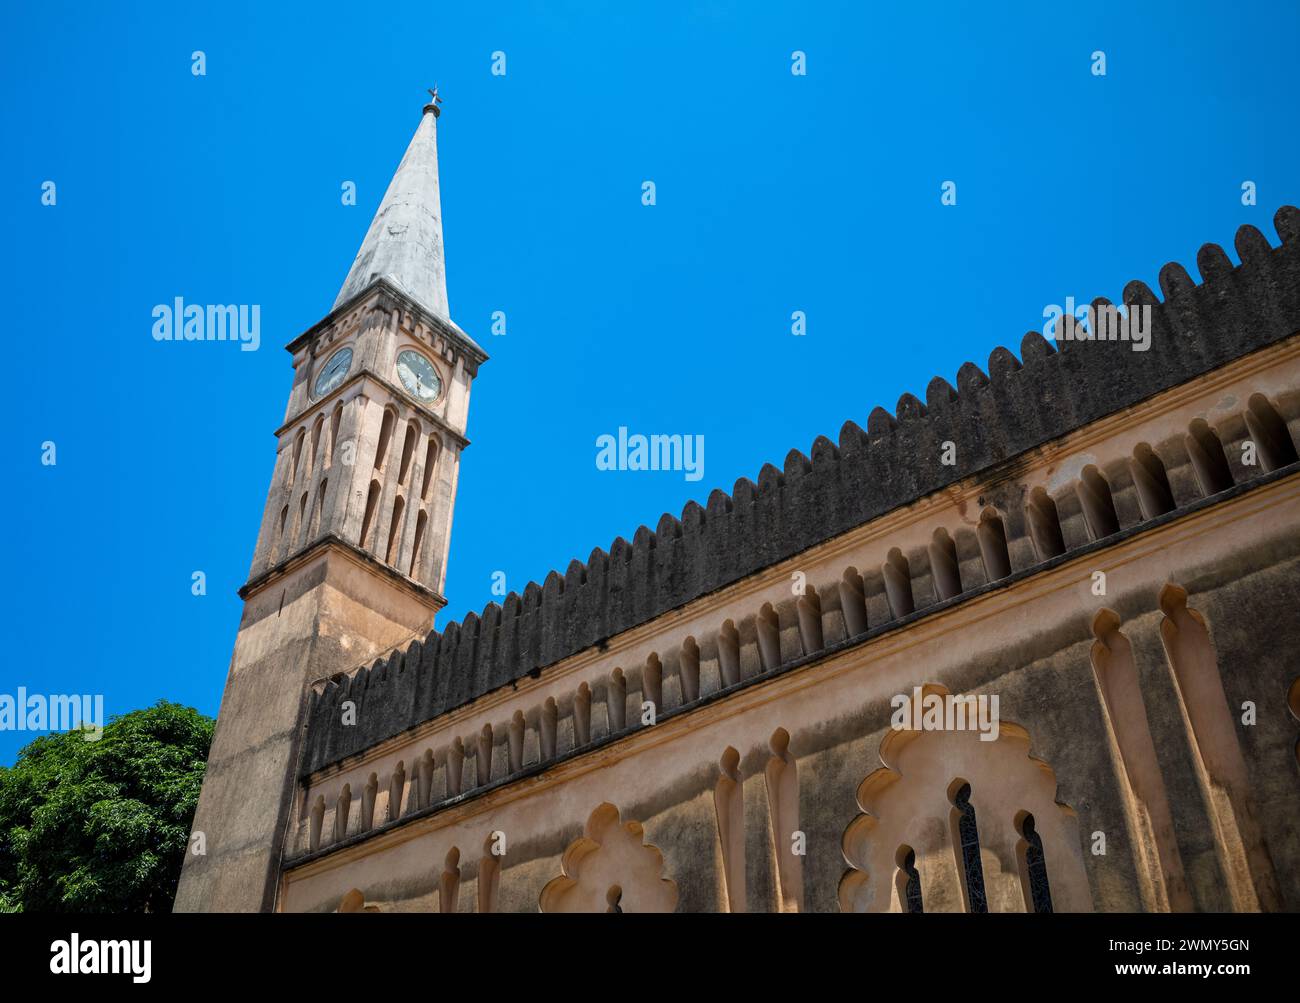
x=434 y=101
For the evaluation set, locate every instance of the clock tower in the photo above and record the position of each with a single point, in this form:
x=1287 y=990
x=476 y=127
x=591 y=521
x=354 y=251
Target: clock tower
x=351 y=557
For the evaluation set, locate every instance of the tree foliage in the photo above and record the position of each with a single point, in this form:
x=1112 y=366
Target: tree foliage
x=102 y=826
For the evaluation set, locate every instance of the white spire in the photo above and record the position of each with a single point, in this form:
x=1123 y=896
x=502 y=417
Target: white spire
x=404 y=242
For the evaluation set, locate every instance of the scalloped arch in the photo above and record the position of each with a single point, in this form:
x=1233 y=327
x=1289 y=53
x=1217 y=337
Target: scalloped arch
x=906 y=803
x=610 y=854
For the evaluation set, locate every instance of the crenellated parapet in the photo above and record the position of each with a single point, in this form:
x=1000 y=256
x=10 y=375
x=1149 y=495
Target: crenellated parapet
x=984 y=424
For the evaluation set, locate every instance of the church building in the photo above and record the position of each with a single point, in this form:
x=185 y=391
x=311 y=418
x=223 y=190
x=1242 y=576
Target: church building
x=1026 y=645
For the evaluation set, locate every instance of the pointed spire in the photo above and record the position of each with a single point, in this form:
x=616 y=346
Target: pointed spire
x=404 y=242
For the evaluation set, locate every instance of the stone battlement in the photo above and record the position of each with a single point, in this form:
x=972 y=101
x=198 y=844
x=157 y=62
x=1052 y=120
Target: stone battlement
x=1019 y=405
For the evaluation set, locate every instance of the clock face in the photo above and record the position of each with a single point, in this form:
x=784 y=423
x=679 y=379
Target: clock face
x=334 y=371
x=418 y=376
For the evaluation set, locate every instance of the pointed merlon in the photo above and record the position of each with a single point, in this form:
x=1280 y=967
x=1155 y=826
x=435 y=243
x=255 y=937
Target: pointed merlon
x=851 y=435
x=668 y=528
x=1139 y=293
x=404 y=242
x=938 y=394
x=796 y=464
x=880 y=422
x=769 y=478
x=693 y=516
x=970 y=378
x=1002 y=362
x=742 y=494
x=1252 y=246
x=823 y=451
x=909 y=409
x=1174 y=280
x=1034 y=348
x=1212 y=262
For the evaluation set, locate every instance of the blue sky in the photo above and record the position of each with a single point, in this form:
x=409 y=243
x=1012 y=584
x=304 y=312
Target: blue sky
x=775 y=193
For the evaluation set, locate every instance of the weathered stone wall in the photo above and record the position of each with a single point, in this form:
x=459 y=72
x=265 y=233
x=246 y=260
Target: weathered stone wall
x=1033 y=642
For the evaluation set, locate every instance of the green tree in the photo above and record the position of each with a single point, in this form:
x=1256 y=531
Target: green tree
x=102 y=826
